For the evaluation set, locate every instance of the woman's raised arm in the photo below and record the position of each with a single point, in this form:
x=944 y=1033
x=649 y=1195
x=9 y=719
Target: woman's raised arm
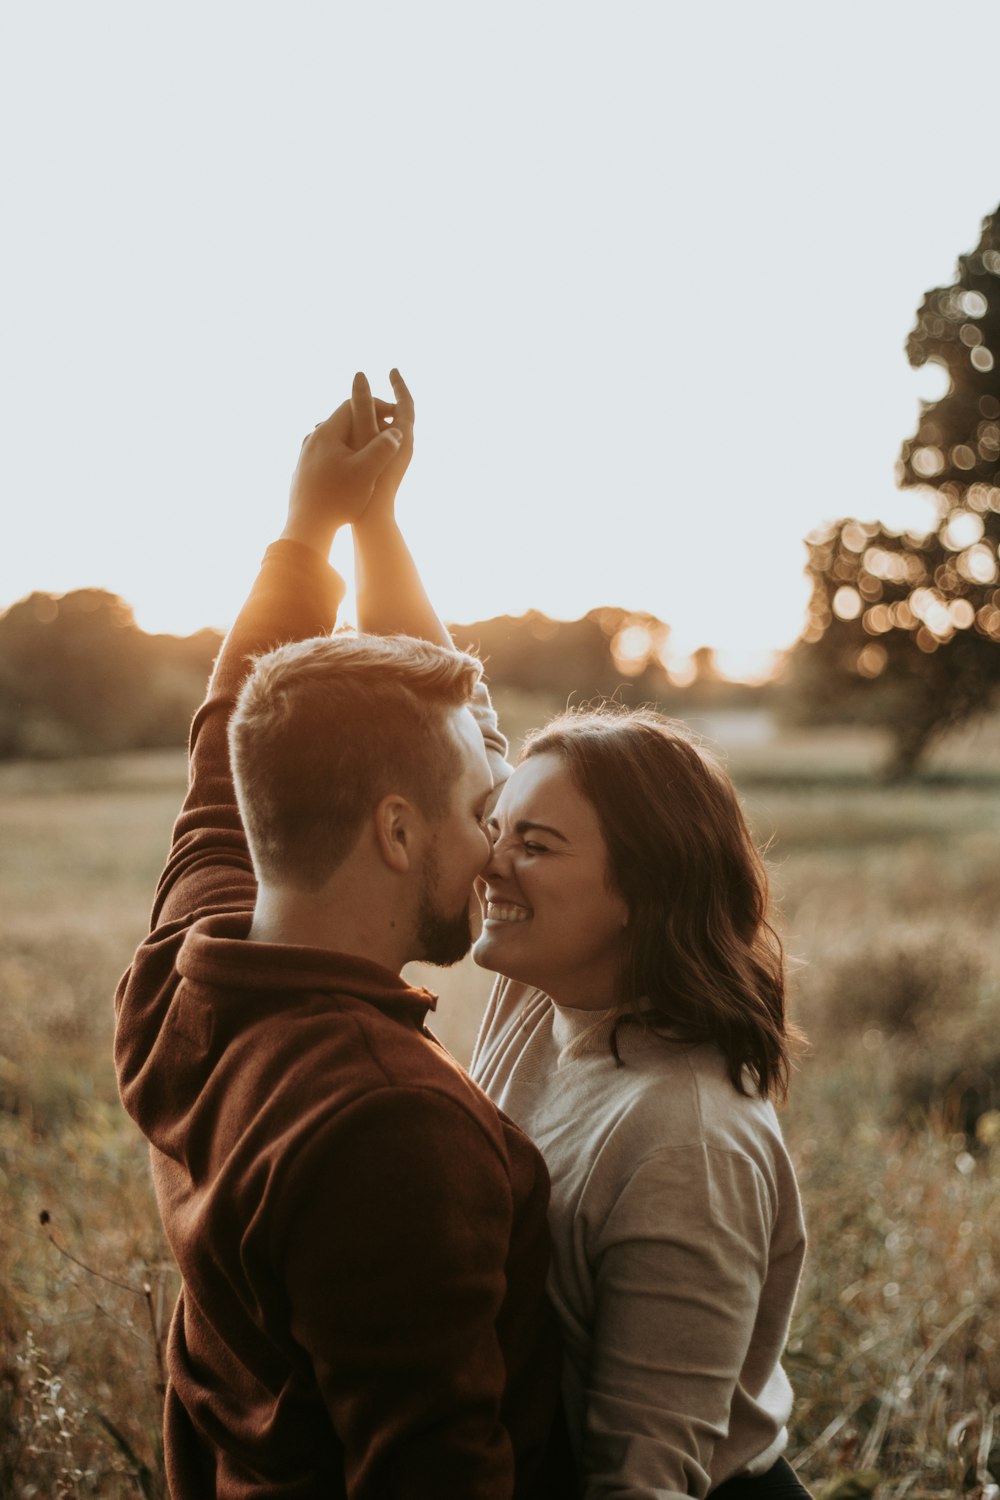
x=392 y=599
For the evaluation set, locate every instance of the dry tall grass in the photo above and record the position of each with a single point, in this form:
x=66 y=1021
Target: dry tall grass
x=889 y=899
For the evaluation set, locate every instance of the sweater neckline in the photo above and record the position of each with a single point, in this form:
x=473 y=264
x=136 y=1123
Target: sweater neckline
x=570 y=1022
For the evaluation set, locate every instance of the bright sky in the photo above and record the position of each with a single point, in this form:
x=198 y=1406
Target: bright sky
x=647 y=266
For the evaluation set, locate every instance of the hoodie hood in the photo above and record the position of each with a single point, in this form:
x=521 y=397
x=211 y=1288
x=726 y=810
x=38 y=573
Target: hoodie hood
x=213 y=1017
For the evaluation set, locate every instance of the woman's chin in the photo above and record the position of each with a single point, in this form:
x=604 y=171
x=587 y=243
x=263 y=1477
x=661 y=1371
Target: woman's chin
x=491 y=951
x=481 y=949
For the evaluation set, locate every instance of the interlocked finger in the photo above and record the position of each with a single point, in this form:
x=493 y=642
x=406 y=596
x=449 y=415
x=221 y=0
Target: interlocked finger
x=364 y=423
x=404 y=402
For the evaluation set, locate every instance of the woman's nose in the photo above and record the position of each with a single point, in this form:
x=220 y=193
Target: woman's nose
x=498 y=864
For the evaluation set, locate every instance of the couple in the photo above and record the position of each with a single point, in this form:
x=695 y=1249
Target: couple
x=378 y=1298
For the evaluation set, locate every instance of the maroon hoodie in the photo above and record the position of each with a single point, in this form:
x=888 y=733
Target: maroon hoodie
x=361 y=1235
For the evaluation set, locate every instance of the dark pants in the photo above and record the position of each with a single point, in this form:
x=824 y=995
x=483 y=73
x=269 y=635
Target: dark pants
x=777 y=1483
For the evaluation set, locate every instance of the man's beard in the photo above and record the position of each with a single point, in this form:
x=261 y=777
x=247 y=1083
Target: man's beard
x=443 y=939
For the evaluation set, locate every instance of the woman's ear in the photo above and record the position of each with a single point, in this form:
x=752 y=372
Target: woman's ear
x=394 y=832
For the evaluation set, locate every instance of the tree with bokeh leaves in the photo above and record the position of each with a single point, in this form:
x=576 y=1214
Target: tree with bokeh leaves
x=904 y=629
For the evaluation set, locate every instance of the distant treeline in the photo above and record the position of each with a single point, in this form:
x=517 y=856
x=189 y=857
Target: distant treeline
x=608 y=653
x=78 y=676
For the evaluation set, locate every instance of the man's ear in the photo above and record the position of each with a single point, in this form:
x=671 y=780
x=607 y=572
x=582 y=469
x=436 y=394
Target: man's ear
x=395 y=832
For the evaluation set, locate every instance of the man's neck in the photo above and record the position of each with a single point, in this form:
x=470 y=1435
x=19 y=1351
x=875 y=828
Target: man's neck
x=352 y=924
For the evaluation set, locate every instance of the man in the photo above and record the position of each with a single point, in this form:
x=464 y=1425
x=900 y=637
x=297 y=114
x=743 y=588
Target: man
x=361 y=1236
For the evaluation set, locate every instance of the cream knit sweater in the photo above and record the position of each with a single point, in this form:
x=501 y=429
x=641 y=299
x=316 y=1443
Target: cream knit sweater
x=677 y=1245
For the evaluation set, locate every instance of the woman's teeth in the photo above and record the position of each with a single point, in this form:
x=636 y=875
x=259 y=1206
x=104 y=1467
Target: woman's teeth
x=503 y=911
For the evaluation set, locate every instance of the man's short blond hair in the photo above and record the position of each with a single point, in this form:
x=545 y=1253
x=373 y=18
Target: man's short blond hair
x=324 y=729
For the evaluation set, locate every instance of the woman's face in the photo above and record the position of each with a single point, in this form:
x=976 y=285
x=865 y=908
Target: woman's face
x=551 y=916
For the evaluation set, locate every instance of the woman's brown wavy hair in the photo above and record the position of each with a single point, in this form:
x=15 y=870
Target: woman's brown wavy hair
x=700 y=957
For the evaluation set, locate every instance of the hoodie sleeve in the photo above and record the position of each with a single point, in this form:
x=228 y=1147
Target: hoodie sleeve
x=208 y=869
x=294 y=598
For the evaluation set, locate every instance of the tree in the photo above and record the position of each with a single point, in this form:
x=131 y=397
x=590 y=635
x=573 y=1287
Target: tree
x=77 y=675
x=903 y=630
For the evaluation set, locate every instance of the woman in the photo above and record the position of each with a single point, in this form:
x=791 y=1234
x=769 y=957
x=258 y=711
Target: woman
x=637 y=1033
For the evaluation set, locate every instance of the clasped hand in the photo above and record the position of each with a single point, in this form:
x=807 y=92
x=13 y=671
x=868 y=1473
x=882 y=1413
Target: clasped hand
x=351 y=466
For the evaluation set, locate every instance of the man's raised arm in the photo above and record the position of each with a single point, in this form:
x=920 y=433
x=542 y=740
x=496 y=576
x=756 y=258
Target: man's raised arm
x=295 y=596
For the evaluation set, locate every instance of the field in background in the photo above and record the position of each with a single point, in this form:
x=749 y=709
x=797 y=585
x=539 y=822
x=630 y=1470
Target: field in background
x=888 y=903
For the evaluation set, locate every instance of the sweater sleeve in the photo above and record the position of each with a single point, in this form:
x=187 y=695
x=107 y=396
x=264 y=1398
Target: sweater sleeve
x=495 y=743
x=393 y=1257
x=208 y=868
x=680 y=1262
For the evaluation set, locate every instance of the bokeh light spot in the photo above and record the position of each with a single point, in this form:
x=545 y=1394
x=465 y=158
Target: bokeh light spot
x=981 y=358
x=878 y=620
x=871 y=660
x=988 y=621
x=750 y=664
x=928 y=461
x=963 y=528
x=631 y=649
x=978 y=565
x=847 y=603
x=682 y=670
x=854 y=537
x=929 y=606
x=974 y=304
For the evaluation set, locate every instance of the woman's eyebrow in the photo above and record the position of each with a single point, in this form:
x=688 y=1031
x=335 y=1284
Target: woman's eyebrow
x=526 y=826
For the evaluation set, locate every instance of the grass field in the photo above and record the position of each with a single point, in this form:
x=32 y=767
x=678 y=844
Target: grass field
x=888 y=903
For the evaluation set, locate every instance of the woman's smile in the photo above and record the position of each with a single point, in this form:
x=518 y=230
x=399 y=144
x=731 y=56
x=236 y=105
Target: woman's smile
x=498 y=910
